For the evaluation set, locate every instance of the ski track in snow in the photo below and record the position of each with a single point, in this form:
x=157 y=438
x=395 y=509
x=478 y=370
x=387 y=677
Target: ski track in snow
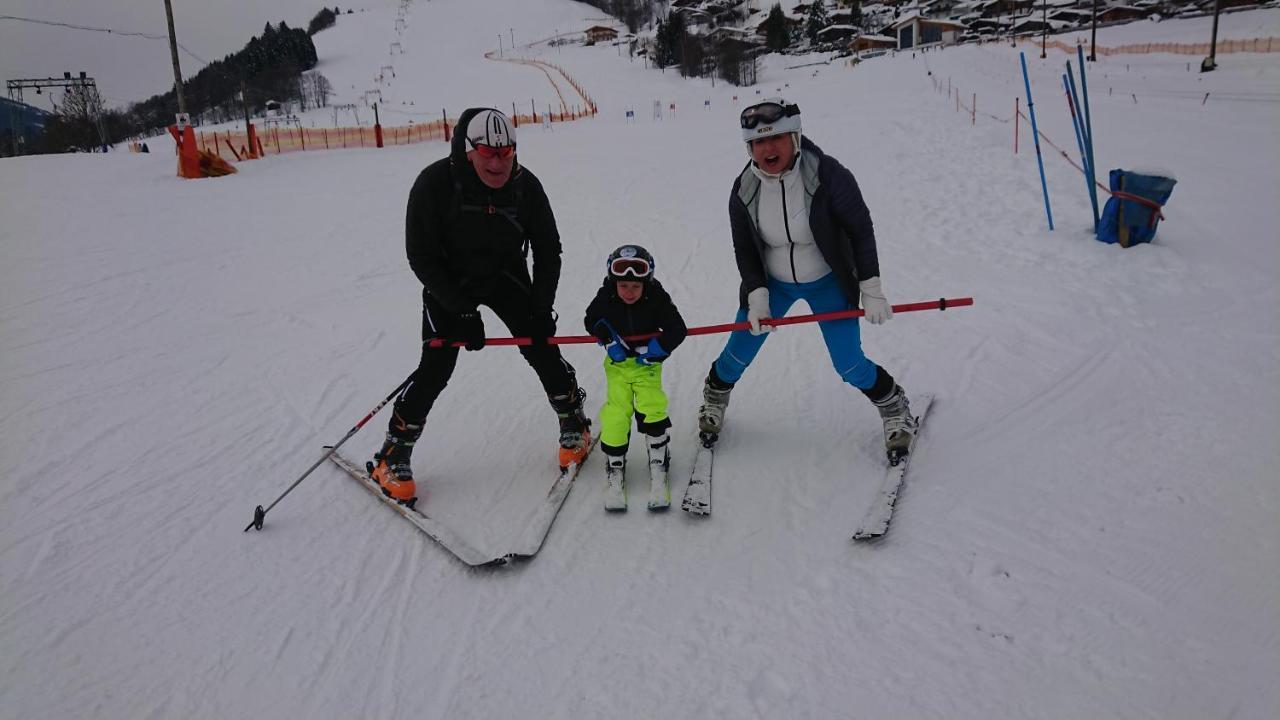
x=1085 y=532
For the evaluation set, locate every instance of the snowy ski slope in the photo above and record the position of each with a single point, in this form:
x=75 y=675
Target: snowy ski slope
x=1088 y=529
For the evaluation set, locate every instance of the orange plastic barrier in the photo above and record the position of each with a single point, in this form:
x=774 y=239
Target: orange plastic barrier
x=281 y=139
x=1253 y=45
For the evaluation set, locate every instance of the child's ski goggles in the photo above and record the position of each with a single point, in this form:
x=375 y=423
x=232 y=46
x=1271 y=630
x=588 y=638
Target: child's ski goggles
x=635 y=267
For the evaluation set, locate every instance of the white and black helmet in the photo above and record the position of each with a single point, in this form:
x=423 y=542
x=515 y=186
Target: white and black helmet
x=490 y=127
x=769 y=117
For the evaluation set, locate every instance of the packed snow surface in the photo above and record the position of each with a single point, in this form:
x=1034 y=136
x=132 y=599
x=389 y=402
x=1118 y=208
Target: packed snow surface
x=1088 y=528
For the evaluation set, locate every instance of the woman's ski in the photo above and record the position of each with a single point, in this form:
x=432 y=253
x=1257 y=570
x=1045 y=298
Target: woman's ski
x=876 y=522
x=697 y=496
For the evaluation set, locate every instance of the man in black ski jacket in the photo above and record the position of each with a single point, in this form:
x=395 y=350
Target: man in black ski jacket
x=473 y=220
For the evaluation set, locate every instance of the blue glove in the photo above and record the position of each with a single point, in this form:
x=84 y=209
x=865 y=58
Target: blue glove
x=650 y=353
x=611 y=341
x=617 y=351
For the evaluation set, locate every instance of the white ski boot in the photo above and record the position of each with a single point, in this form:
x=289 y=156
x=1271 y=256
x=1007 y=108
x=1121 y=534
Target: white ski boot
x=615 y=487
x=659 y=462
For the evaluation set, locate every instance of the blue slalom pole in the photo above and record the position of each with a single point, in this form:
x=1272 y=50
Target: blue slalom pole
x=1088 y=137
x=1035 y=135
x=1075 y=124
x=1069 y=80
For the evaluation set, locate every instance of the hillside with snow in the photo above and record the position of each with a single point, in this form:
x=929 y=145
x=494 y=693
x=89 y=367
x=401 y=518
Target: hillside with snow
x=1086 y=529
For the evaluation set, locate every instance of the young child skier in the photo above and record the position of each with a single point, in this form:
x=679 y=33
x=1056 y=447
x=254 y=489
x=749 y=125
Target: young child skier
x=632 y=302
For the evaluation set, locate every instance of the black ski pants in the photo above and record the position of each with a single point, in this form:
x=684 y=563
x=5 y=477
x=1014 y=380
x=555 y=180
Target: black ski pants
x=512 y=301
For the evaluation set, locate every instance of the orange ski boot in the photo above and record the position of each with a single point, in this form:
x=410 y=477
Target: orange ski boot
x=575 y=429
x=391 y=467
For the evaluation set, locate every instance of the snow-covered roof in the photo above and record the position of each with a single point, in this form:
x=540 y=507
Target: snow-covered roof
x=914 y=17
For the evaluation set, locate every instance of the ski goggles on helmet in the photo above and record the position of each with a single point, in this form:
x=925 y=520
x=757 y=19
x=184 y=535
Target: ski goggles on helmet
x=489 y=151
x=634 y=267
x=766 y=114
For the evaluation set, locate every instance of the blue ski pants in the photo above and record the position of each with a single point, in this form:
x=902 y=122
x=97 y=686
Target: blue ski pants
x=844 y=342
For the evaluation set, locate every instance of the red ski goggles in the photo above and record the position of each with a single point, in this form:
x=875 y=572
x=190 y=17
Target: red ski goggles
x=635 y=267
x=765 y=114
x=488 y=151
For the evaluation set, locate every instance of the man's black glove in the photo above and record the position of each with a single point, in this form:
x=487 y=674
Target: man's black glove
x=542 y=325
x=471 y=330
x=602 y=332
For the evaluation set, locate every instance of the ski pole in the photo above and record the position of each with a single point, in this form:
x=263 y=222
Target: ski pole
x=940 y=304
x=259 y=514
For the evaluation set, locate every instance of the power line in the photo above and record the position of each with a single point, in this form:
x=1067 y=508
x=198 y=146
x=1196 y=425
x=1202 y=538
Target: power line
x=109 y=31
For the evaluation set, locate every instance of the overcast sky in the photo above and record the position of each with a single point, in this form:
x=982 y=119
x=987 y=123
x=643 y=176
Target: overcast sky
x=129 y=69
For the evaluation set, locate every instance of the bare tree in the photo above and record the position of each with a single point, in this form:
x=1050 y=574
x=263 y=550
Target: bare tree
x=77 y=124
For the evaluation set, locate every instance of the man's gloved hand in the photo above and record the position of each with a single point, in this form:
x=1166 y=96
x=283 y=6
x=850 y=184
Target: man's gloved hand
x=758 y=309
x=874 y=303
x=651 y=353
x=542 y=325
x=471 y=330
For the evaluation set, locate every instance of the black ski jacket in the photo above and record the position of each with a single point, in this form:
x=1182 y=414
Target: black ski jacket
x=653 y=312
x=461 y=235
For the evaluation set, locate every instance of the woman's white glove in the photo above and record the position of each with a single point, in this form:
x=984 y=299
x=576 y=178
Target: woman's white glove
x=874 y=303
x=758 y=309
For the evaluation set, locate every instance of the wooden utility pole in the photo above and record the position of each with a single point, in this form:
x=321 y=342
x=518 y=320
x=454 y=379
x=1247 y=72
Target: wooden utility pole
x=1093 y=38
x=173 y=52
x=1211 y=62
x=1044 y=33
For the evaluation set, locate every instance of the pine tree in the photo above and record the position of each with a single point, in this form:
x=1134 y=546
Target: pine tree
x=777 y=36
x=816 y=21
x=670 y=38
x=323 y=20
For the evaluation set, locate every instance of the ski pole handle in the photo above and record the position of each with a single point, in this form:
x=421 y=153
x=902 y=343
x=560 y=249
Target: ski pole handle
x=260 y=514
x=940 y=304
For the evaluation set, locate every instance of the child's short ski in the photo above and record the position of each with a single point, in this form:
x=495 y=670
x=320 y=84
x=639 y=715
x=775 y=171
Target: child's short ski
x=876 y=522
x=434 y=529
x=615 y=484
x=697 y=497
x=659 y=486
x=539 y=527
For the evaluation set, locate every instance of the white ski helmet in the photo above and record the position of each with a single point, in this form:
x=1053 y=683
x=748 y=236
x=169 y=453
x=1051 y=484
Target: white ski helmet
x=490 y=127
x=769 y=117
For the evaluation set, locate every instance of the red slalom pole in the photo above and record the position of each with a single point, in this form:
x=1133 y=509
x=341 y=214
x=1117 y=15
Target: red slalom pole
x=940 y=304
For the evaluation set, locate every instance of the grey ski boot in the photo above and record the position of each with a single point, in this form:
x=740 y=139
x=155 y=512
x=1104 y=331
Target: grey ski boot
x=899 y=424
x=715 y=398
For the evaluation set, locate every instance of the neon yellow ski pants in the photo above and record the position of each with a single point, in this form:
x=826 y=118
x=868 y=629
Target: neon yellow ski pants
x=632 y=387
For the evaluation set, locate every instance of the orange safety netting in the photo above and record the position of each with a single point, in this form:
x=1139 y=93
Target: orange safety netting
x=278 y=139
x=1253 y=45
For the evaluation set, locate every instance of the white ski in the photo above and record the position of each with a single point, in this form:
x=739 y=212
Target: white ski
x=540 y=525
x=697 y=496
x=615 y=488
x=876 y=522
x=432 y=528
x=659 y=487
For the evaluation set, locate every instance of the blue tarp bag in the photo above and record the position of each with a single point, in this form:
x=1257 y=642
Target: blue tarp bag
x=1133 y=210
